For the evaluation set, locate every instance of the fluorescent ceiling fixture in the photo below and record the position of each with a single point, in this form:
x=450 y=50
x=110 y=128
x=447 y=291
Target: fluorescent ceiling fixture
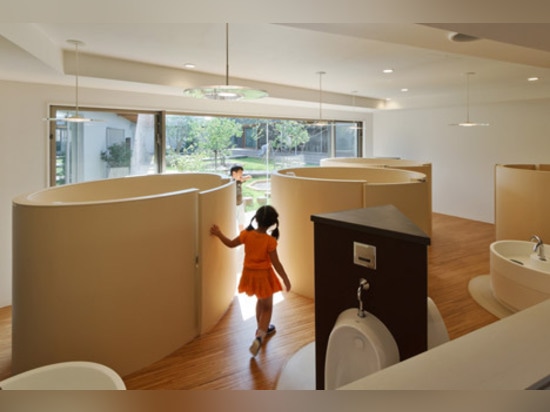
x=532 y=79
x=76 y=117
x=404 y=90
x=387 y=71
x=189 y=65
x=225 y=92
x=468 y=123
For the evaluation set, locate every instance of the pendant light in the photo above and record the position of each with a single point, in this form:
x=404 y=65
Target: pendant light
x=321 y=122
x=76 y=117
x=468 y=123
x=226 y=91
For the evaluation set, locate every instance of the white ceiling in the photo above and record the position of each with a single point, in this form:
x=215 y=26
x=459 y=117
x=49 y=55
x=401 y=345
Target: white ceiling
x=284 y=59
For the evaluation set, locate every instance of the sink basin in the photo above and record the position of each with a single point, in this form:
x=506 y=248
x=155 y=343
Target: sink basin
x=519 y=278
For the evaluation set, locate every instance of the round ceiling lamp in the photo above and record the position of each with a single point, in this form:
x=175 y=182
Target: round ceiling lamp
x=76 y=117
x=225 y=92
x=468 y=122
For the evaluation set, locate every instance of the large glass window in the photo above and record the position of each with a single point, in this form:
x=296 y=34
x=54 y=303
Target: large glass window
x=347 y=140
x=260 y=146
x=118 y=143
x=137 y=143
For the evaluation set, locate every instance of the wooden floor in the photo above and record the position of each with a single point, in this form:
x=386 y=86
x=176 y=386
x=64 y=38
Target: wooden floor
x=219 y=359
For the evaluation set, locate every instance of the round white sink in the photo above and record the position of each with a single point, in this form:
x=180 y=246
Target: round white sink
x=519 y=278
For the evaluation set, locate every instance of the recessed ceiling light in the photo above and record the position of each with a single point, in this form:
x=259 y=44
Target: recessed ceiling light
x=404 y=89
x=189 y=65
x=532 y=79
x=387 y=71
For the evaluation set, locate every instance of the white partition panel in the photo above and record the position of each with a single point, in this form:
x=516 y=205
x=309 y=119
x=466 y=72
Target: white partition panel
x=412 y=199
x=522 y=201
x=383 y=162
x=107 y=282
x=301 y=192
x=218 y=264
x=106 y=271
x=296 y=200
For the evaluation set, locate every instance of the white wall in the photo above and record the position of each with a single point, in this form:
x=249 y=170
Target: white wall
x=463 y=159
x=24 y=137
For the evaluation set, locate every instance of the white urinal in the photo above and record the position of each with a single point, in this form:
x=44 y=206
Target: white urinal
x=72 y=375
x=357 y=347
x=437 y=331
x=299 y=371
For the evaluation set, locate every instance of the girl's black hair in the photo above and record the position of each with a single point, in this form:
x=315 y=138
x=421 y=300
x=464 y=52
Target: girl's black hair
x=266 y=216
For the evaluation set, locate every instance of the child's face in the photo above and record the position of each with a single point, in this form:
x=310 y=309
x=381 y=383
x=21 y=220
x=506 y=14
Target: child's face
x=237 y=175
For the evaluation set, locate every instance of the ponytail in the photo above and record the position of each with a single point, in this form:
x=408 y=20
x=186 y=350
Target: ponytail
x=275 y=232
x=266 y=216
x=250 y=227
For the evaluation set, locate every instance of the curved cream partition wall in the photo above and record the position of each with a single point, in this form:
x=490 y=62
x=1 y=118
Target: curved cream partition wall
x=386 y=162
x=114 y=271
x=522 y=201
x=299 y=193
x=376 y=162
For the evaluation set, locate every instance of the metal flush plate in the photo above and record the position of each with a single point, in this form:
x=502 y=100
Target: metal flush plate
x=364 y=255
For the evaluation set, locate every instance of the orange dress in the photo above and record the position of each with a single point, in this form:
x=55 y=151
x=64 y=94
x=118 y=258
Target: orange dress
x=258 y=277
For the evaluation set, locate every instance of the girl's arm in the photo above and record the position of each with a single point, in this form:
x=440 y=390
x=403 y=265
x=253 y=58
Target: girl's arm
x=215 y=230
x=279 y=268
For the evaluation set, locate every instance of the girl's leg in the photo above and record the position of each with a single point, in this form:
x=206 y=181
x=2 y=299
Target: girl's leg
x=264 y=310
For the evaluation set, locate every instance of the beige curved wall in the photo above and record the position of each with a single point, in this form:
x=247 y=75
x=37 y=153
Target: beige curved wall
x=373 y=162
x=299 y=193
x=522 y=201
x=218 y=264
x=106 y=271
x=385 y=162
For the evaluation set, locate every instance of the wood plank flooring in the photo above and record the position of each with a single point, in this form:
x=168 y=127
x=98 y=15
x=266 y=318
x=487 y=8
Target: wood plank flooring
x=5 y=342
x=220 y=360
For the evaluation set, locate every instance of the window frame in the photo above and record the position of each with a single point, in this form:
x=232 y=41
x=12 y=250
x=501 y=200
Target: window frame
x=160 y=131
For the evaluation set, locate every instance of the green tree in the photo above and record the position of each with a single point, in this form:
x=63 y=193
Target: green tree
x=182 y=133
x=290 y=134
x=117 y=155
x=216 y=134
x=182 y=138
x=184 y=163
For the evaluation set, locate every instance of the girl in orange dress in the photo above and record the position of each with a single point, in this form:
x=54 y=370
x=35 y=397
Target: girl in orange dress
x=260 y=258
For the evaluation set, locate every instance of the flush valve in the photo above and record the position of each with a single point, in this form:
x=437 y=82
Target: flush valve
x=363 y=285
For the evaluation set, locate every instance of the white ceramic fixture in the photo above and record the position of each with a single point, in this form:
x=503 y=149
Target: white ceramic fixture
x=357 y=347
x=66 y=376
x=520 y=278
x=299 y=371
